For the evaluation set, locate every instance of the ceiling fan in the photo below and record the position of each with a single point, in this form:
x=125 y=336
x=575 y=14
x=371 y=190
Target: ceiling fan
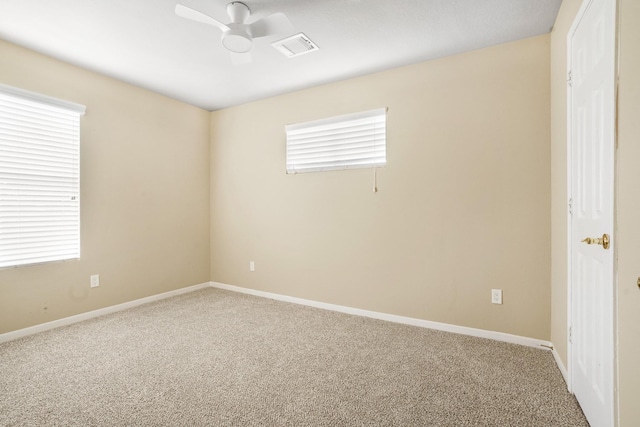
x=237 y=36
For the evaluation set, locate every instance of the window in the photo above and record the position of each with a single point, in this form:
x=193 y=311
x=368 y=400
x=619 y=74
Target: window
x=350 y=141
x=39 y=178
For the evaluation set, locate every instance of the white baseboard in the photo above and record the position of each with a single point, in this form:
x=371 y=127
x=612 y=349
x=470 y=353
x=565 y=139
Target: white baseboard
x=499 y=336
x=563 y=369
x=481 y=333
x=96 y=313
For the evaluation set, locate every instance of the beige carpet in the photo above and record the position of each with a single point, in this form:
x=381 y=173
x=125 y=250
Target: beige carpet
x=217 y=358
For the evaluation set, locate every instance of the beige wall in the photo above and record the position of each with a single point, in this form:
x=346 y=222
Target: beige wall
x=559 y=198
x=144 y=196
x=463 y=204
x=627 y=200
x=628 y=215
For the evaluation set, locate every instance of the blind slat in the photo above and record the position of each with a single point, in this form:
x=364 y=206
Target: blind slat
x=327 y=148
x=373 y=138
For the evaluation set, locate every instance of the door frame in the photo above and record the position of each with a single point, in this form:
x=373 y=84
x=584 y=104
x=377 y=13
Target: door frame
x=614 y=353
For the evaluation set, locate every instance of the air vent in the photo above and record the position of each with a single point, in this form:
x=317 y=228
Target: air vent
x=295 y=45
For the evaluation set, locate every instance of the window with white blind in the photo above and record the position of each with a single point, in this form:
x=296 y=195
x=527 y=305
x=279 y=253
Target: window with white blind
x=39 y=178
x=349 y=141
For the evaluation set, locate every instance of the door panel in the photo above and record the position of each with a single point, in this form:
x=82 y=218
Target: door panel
x=592 y=114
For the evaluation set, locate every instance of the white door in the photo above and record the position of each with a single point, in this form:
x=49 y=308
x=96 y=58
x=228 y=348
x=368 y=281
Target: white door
x=591 y=131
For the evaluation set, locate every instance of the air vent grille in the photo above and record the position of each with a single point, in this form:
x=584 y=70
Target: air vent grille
x=296 y=45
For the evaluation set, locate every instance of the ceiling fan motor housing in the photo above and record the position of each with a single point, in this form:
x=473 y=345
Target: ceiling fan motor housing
x=238 y=12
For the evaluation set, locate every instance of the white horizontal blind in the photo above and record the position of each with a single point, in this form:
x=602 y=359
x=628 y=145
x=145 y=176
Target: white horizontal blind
x=39 y=178
x=349 y=141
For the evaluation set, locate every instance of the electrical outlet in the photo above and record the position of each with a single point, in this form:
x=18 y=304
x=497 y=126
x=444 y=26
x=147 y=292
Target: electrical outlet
x=496 y=296
x=95 y=281
x=252 y=266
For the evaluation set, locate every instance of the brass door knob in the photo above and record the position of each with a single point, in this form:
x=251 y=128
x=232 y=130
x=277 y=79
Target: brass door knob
x=604 y=241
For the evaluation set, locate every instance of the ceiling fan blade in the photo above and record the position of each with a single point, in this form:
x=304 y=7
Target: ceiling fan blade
x=269 y=25
x=240 y=58
x=194 y=15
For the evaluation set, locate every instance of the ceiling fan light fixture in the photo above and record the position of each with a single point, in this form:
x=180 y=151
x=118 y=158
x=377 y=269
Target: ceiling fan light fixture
x=237 y=41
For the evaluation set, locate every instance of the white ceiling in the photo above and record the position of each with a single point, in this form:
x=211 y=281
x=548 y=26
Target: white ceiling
x=144 y=43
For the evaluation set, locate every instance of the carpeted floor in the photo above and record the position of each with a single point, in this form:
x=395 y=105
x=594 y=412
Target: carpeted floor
x=217 y=358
